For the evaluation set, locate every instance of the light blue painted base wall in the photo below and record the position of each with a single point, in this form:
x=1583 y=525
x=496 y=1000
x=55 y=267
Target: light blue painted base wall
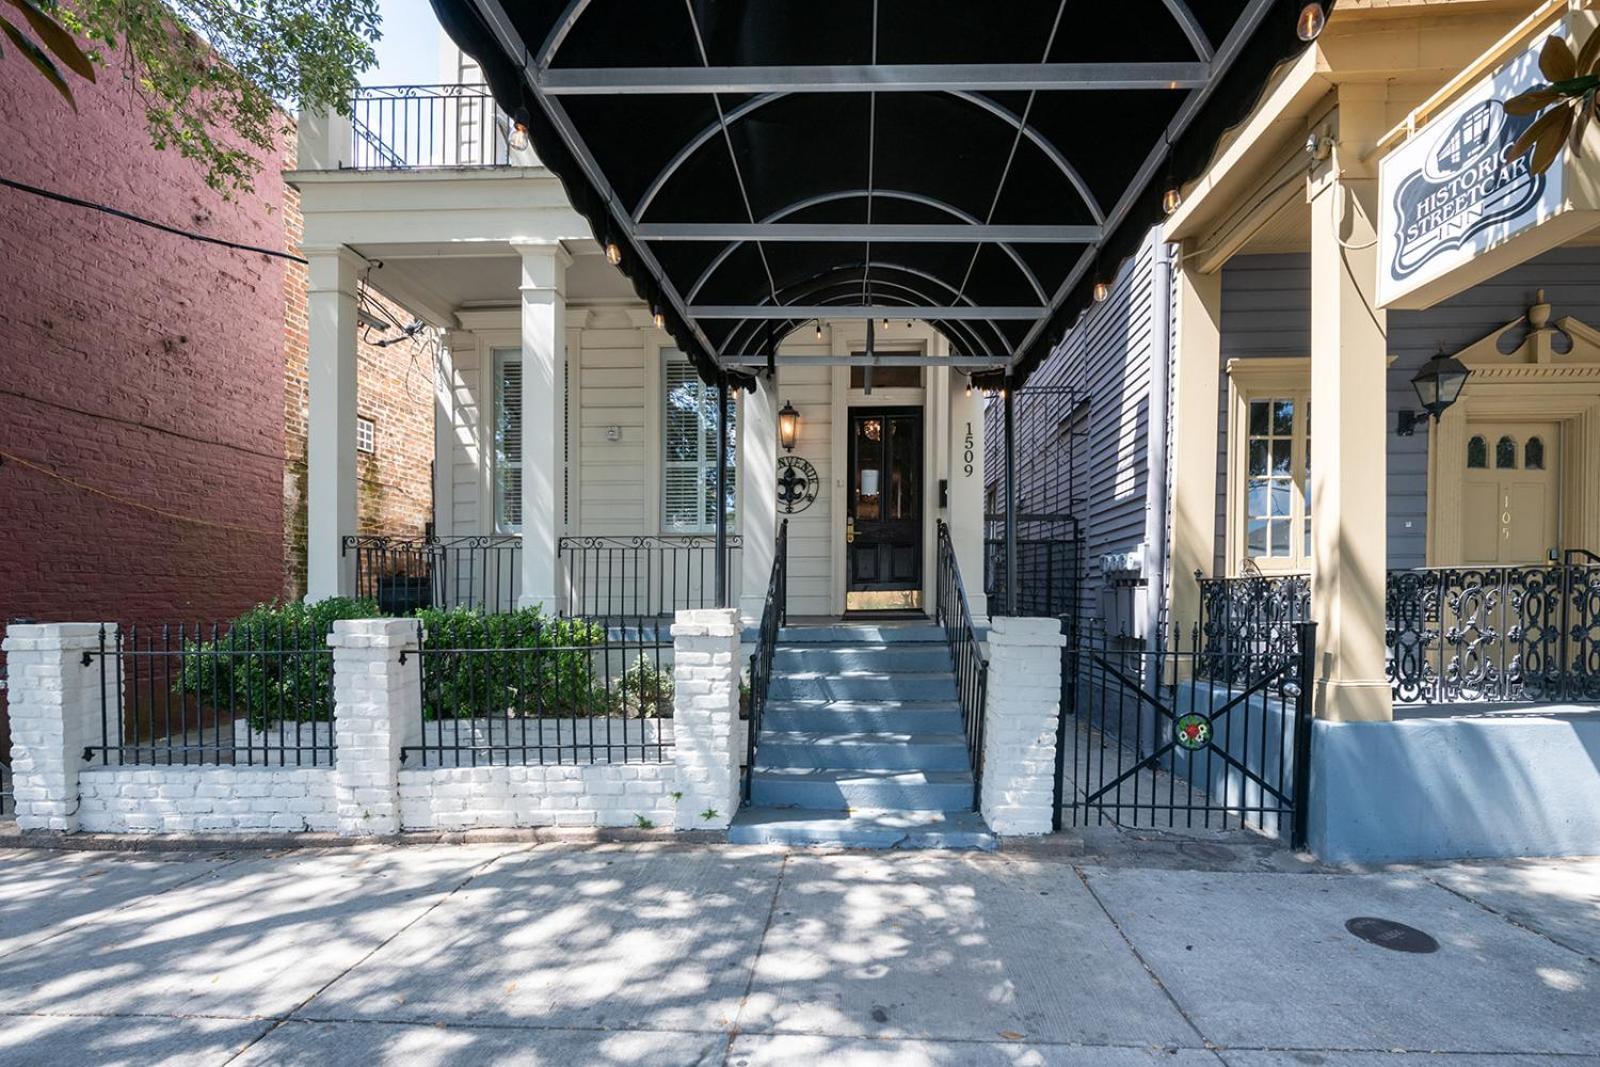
x=1425 y=789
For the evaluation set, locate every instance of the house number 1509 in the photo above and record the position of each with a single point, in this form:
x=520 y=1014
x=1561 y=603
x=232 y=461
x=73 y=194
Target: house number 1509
x=967 y=453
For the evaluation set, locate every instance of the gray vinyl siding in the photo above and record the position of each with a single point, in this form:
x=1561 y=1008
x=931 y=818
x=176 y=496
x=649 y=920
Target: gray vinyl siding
x=1106 y=359
x=1266 y=311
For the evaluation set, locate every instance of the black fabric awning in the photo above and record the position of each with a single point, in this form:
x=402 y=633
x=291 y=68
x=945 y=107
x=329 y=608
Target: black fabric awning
x=979 y=165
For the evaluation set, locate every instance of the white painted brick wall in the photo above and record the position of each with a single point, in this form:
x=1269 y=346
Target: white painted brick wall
x=706 y=717
x=206 y=800
x=377 y=711
x=465 y=798
x=1024 y=706
x=54 y=702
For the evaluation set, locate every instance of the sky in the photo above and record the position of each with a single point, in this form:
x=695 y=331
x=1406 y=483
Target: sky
x=408 y=54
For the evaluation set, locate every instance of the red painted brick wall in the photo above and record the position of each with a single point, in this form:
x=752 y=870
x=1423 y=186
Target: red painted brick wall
x=144 y=373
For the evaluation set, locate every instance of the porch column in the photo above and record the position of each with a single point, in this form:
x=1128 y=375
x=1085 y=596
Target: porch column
x=1196 y=381
x=331 y=421
x=544 y=356
x=965 y=514
x=758 y=500
x=1349 y=440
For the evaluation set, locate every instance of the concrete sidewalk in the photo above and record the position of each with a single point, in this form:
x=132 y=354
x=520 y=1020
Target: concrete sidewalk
x=1161 y=952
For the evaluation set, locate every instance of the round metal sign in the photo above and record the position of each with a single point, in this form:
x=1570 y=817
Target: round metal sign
x=1192 y=731
x=1386 y=933
x=797 y=484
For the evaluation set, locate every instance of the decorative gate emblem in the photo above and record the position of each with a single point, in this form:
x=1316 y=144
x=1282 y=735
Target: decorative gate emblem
x=1192 y=731
x=797 y=484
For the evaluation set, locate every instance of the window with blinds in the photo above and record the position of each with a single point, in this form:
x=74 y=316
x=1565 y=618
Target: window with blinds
x=689 y=450
x=508 y=440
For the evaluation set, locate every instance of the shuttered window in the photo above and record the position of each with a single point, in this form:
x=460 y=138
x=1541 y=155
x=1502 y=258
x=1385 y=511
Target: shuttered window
x=508 y=440
x=689 y=450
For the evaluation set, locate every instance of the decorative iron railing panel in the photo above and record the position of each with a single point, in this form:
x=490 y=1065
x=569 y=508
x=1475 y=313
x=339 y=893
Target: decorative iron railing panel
x=503 y=690
x=972 y=668
x=404 y=574
x=628 y=576
x=403 y=127
x=257 y=694
x=1454 y=635
x=774 y=612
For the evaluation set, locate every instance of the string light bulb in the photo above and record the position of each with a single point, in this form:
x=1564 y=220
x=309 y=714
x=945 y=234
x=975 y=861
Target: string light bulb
x=1170 y=200
x=886 y=322
x=1102 y=292
x=1310 y=22
x=819 y=329
x=518 y=139
x=656 y=317
x=969 y=386
x=613 y=253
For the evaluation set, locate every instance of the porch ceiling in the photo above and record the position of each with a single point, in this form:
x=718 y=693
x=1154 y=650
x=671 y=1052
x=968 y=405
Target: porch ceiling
x=908 y=156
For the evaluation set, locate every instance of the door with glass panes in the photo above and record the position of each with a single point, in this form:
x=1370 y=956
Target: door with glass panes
x=1510 y=499
x=883 y=530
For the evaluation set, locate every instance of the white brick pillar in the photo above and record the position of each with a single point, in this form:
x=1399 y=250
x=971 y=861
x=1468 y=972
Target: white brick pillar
x=54 y=702
x=377 y=710
x=1019 y=741
x=705 y=717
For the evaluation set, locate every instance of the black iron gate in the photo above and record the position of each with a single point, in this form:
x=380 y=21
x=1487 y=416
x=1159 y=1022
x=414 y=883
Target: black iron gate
x=1168 y=737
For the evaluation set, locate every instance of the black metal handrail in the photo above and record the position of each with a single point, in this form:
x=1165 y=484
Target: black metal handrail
x=403 y=574
x=404 y=127
x=644 y=575
x=972 y=669
x=774 y=612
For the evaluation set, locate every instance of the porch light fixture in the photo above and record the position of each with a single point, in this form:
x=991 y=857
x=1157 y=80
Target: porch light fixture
x=1171 y=200
x=518 y=139
x=1439 y=383
x=788 y=426
x=1309 y=24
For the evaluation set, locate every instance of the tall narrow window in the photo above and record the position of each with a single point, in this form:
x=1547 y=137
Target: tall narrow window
x=689 y=449
x=1269 y=487
x=508 y=440
x=1270 y=508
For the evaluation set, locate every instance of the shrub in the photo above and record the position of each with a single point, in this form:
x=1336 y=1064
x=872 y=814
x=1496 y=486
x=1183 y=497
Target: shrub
x=514 y=664
x=272 y=662
x=645 y=690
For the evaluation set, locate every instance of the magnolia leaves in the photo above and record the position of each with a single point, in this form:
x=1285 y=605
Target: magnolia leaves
x=1572 y=81
x=48 y=39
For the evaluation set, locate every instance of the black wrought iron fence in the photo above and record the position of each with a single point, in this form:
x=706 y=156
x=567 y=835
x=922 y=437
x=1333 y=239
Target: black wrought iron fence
x=645 y=576
x=252 y=694
x=774 y=611
x=1175 y=736
x=517 y=689
x=972 y=668
x=405 y=574
x=397 y=127
x=1247 y=623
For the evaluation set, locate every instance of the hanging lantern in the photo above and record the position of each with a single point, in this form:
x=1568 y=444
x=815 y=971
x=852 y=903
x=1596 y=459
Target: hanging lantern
x=1310 y=22
x=1171 y=200
x=1439 y=383
x=788 y=426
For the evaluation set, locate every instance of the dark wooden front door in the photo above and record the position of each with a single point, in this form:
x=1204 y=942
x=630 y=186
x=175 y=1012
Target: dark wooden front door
x=884 y=517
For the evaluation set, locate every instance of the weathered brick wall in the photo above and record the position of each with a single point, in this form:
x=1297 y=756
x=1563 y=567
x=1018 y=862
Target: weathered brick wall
x=394 y=388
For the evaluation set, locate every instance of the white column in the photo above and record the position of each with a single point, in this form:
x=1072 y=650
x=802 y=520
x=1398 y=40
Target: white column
x=1349 y=437
x=377 y=711
x=965 y=515
x=331 y=422
x=324 y=140
x=54 y=702
x=1196 y=380
x=707 y=744
x=758 y=502
x=544 y=360
x=1019 y=733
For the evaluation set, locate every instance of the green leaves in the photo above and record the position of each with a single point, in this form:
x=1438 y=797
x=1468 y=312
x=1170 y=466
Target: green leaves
x=52 y=41
x=1574 y=81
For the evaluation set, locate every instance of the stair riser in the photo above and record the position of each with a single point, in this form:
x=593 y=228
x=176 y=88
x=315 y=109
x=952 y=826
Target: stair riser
x=864 y=722
x=861 y=635
x=895 y=757
x=867 y=688
x=838 y=796
x=888 y=660
x=865 y=838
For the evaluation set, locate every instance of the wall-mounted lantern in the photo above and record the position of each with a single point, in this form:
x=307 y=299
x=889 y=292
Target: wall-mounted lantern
x=788 y=426
x=1438 y=385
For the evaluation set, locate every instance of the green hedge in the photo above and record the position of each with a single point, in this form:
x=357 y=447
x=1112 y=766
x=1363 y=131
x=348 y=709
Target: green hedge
x=518 y=663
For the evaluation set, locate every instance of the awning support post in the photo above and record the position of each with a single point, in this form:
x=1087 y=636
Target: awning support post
x=1011 y=499
x=722 y=492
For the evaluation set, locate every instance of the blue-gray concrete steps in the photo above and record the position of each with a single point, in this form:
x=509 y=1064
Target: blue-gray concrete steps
x=862 y=744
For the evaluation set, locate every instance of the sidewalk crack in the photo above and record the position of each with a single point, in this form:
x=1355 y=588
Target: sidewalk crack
x=761 y=945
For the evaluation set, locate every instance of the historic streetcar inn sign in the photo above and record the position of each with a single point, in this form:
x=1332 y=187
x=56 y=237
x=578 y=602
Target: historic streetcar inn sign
x=1452 y=210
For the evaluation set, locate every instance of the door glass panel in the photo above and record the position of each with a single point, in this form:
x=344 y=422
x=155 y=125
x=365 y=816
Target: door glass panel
x=1477 y=453
x=1505 y=453
x=902 y=489
x=1533 y=455
x=869 y=470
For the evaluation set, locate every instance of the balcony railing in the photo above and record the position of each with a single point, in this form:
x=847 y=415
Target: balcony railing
x=403 y=127
x=1455 y=635
x=645 y=576
x=403 y=574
